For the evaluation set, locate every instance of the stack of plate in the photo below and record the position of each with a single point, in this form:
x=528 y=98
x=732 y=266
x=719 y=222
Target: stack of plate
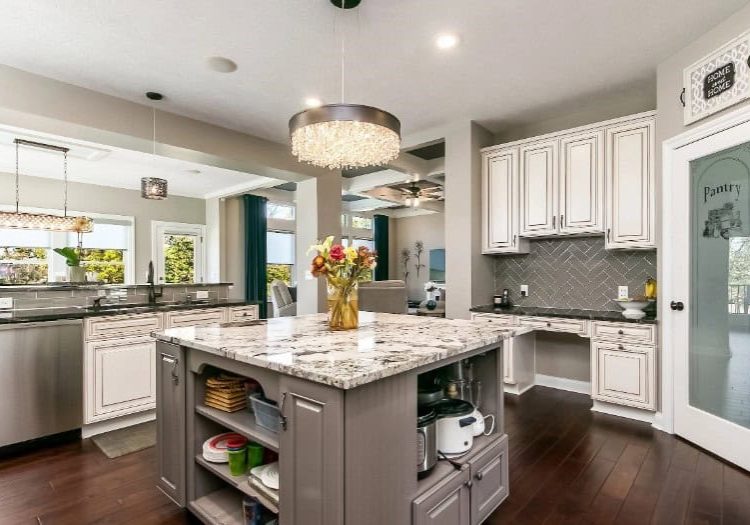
x=225 y=392
x=215 y=448
x=265 y=479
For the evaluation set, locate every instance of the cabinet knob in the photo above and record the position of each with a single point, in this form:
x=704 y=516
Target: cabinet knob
x=549 y=324
x=469 y=484
x=620 y=332
x=620 y=347
x=479 y=476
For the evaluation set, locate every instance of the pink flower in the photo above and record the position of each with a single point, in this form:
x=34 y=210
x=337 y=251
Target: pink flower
x=337 y=252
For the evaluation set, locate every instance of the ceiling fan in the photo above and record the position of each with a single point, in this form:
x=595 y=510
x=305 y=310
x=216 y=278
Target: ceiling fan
x=413 y=194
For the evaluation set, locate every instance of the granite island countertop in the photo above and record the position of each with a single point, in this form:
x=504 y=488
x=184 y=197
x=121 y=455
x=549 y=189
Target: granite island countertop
x=384 y=344
x=593 y=315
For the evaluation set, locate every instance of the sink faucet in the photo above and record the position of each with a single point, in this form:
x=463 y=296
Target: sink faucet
x=152 y=293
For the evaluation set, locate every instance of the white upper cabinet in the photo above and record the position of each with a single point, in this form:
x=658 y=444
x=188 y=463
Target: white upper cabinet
x=538 y=189
x=581 y=193
x=500 y=203
x=630 y=186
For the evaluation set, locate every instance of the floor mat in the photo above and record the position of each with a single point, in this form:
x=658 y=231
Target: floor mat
x=126 y=440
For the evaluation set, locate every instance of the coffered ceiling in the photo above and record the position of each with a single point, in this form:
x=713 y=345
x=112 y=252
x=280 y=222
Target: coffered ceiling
x=517 y=60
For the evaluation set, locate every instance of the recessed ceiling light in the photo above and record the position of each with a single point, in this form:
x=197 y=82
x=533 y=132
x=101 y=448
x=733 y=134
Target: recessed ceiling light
x=313 y=102
x=221 y=65
x=446 y=41
x=193 y=171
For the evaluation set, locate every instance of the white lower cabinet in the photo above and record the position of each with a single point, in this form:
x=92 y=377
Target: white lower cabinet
x=623 y=374
x=120 y=377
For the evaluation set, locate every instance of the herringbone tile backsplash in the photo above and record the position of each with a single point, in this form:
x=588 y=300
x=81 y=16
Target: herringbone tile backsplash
x=573 y=273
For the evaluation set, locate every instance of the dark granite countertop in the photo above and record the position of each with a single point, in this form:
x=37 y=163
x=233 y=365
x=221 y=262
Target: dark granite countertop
x=57 y=314
x=593 y=315
x=96 y=286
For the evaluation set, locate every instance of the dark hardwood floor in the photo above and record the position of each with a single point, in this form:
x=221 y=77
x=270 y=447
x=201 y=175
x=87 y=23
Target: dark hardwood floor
x=567 y=466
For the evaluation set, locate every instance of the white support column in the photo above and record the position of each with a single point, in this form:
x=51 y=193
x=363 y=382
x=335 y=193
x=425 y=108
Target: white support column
x=318 y=215
x=213 y=244
x=469 y=275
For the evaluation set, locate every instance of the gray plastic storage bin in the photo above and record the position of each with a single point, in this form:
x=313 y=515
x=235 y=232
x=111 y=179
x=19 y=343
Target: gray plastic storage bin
x=267 y=414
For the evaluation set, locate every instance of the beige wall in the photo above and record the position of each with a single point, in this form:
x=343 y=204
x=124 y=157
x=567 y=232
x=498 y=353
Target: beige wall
x=406 y=231
x=40 y=192
x=563 y=355
x=233 y=244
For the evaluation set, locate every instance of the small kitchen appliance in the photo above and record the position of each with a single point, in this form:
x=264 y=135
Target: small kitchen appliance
x=455 y=426
x=426 y=439
x=503 y=300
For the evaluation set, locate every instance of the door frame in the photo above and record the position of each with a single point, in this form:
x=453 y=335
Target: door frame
x=159 y=228
x=664 y=419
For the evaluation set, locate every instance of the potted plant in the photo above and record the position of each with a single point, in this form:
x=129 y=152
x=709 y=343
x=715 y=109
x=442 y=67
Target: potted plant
x=76 y=272
x=344 y=269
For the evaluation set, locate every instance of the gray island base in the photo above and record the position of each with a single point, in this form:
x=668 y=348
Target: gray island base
x=347 y=445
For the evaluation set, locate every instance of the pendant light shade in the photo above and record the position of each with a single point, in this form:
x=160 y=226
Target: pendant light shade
x=153 y=188
x=340 y=136
x=41 y=221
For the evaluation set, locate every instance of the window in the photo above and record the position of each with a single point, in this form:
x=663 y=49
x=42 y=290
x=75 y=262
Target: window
x=369 y=243
x=105 y=250
x=361 y=223
x=275 y=210
x=178 y=252
x=280 y=257
x=23 y=265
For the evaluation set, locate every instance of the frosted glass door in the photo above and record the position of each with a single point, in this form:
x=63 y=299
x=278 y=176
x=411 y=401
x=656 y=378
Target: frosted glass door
x=719 y=353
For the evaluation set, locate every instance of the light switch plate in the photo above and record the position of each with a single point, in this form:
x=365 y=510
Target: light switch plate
x=622 y=292
x=201 y=294
x=6 y=302
x=524 y=290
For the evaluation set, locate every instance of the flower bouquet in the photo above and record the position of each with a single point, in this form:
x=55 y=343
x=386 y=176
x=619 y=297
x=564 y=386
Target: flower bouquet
x=344 y=269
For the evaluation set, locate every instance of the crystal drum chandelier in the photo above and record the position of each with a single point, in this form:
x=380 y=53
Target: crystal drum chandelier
x=39 y=221
x=339 y=136
x=153 y=188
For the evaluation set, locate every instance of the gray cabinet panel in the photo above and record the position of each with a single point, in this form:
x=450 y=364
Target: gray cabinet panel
x=489 y=475
x=448 y=503
x=170 y=420
x=311 y=454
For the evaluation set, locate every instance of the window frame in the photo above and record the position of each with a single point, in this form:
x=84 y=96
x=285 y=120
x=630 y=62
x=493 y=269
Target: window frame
x=161 y=228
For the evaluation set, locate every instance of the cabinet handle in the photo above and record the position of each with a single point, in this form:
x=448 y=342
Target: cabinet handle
x=553 y=220
x=608 y=231
x=479 y=476
x=173 y=361
x=281 y=412
x=514 y=240
x=562 y=220
x=620 y=332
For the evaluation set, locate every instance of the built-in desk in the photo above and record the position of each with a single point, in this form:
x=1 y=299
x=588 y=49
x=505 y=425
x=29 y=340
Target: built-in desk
x=623 y=352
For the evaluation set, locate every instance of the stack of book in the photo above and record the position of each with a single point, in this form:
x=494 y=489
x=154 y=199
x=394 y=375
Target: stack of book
x=226 y=392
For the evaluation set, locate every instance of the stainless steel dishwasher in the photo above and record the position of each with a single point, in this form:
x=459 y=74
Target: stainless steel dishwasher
x=41 y=378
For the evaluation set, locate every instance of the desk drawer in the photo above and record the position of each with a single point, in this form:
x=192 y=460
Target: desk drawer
x=243 y=313
x=496 y=319
x=195 y=317
x=627 y=332
x=117 y=326
x=550 y=324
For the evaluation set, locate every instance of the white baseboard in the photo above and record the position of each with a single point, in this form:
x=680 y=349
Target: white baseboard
x=563 y=383
x=514 y=390
x=623 y=411
x=130 y=420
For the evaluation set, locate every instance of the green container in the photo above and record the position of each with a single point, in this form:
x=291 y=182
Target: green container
x=254 y=455
x=237 y=461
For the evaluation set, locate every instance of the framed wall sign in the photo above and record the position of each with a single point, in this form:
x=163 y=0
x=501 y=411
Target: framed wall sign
x=718 y=80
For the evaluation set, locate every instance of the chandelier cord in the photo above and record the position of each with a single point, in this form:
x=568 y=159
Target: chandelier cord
x=339 y=17
x=65 y=182
x=18 y=195
x=153 y=124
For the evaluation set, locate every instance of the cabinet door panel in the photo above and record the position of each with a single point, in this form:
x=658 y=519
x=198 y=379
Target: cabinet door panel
x=630 y=186
x=447 y=504
x=500 y=203
x=582 y=183
x=489 y=474
x=170 y=420
x=121 y=378
x=311 y=454
x=624 y=374
x=538 y=187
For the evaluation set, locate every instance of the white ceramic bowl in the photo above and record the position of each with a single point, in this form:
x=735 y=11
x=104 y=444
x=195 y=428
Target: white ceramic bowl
x=633 y=309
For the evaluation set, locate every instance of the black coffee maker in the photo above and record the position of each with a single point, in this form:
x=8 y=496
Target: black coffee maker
x=503 y=301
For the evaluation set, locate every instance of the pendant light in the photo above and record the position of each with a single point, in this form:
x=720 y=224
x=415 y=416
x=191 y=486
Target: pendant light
x=41 y=221
x=154 y=188
x=340 y=136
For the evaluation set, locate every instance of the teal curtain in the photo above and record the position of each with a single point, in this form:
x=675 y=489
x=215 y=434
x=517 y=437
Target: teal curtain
x=255 y=251
x=380 y=236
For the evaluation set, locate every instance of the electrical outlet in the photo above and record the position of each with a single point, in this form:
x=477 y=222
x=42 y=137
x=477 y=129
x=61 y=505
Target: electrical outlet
x=524 y=290
x=6 y=302
x=622 y=292
x=201 y=294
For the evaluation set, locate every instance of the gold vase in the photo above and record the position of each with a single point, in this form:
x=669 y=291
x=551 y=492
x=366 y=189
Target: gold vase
x=343 y=307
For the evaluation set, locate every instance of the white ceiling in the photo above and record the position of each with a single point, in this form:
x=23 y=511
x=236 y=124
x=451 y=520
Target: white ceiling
x=518 y=60
x=120 y=168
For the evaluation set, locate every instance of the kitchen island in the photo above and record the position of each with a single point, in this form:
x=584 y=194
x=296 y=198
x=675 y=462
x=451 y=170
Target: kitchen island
x=347 y=443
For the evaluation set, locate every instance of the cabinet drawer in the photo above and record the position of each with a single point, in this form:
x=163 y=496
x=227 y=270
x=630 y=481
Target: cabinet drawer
x=120 y=377
x=243 y=313
x=496 y=319
x=489 y=474
x=629 y=332
x=116 y=326
x=549 y=324
x=624 y=374
x=195 y=317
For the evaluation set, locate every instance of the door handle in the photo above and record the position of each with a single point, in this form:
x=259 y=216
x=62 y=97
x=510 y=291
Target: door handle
x=677 y=305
